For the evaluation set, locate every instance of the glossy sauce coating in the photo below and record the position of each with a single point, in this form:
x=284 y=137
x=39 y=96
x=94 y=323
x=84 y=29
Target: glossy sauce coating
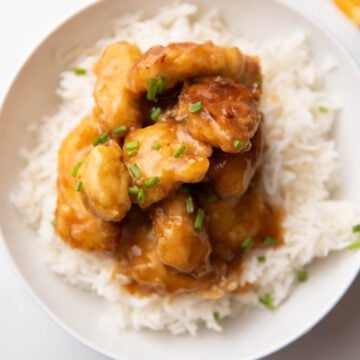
x=74 y=223
x=142 y=191
x=228 y=117
x=231 y=174
x=178 y=62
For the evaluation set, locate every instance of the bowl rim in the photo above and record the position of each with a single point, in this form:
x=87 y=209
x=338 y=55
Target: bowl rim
x=62 y=325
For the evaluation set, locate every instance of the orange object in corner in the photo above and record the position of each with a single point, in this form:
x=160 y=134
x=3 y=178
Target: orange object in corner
x=351 y=8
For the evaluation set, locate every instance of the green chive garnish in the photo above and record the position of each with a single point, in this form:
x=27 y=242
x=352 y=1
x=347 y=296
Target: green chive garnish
x=75 y=169
x=161 y=85
x=189 y=202
x=261 y=259
x=199 y=220
x=155 y=113
x=78 y=186
x=269 y=241
x=101 y=139
x=79 y=71
x=356 y=228
x=184 y=190
x=132 y=147
x=120 y=129
x=141 y=196
x=155 y=86
x=216 y=315
x=195 y=107
x=211 y=198
x=323 y=109
x=151 y=182
x=355 y=245
x=238 y=144
x=156 y=146
x=151 y=92
x=135 y=170
x=302 y=275
x=133 y=190
x=180 y=151
x=53 y=222
x=247 y=244
x=267 y=301
x=259 y=80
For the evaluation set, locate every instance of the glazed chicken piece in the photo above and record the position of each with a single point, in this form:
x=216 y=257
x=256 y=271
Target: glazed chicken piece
x=178 y=62
x=138 y=256
x=232 y=221
x=179 y=245
x=75 y=225
x=105 y=182
x=116 y=105
x=227 y=117
x=231 y=174
x=162 y=156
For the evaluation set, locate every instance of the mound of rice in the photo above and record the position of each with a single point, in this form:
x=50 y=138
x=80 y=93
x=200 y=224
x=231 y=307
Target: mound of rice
x=299 y=173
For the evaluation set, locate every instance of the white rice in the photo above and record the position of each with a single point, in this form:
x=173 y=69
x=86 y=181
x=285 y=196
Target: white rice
x=299 y=172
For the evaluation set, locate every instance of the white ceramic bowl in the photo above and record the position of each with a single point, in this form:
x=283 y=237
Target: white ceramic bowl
x=258 y=333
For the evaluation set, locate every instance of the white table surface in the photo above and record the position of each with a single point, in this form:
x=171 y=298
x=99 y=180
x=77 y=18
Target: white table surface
x=25 y=331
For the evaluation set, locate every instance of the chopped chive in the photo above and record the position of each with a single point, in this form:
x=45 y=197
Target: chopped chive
x=267 y=301
x=302 y=275
x=180 y=151
x=135 y=170
x=141 y=196
x=155 y=113
x=184 y=189
x=53 y=222
x=269 y=241
x=355 y=245
x=216 y=315
x=133 y=190
x=238 y=144
x=102 y=138
x=151 y=92
x=211 y=198
x=259 y=80
x=261 y=259
x=199 y=220
x=79 y=71
x=247 y=244
x=323 y=109
x=151 y=182
x=195 y=107
x=78 y=186
x=75 y=169
x=120 y=129
x=155 y=86
x=189 y=202
x=356 y=228
x=161 y=82
x=131 y=152
x=156 y=146
x=132 y=146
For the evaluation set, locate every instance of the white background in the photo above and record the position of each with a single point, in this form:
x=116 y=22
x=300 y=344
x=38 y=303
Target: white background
x=26 y=332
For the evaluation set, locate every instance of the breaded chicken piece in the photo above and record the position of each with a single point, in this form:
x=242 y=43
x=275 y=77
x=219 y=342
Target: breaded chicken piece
x=179 y=245
x=178 y=62
x=138 y=256
x=233 y=221
x=116 y=105
x=231 y=174
x=162 y=156
x=105 y=182
x=219 y=112
x=76 y=226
